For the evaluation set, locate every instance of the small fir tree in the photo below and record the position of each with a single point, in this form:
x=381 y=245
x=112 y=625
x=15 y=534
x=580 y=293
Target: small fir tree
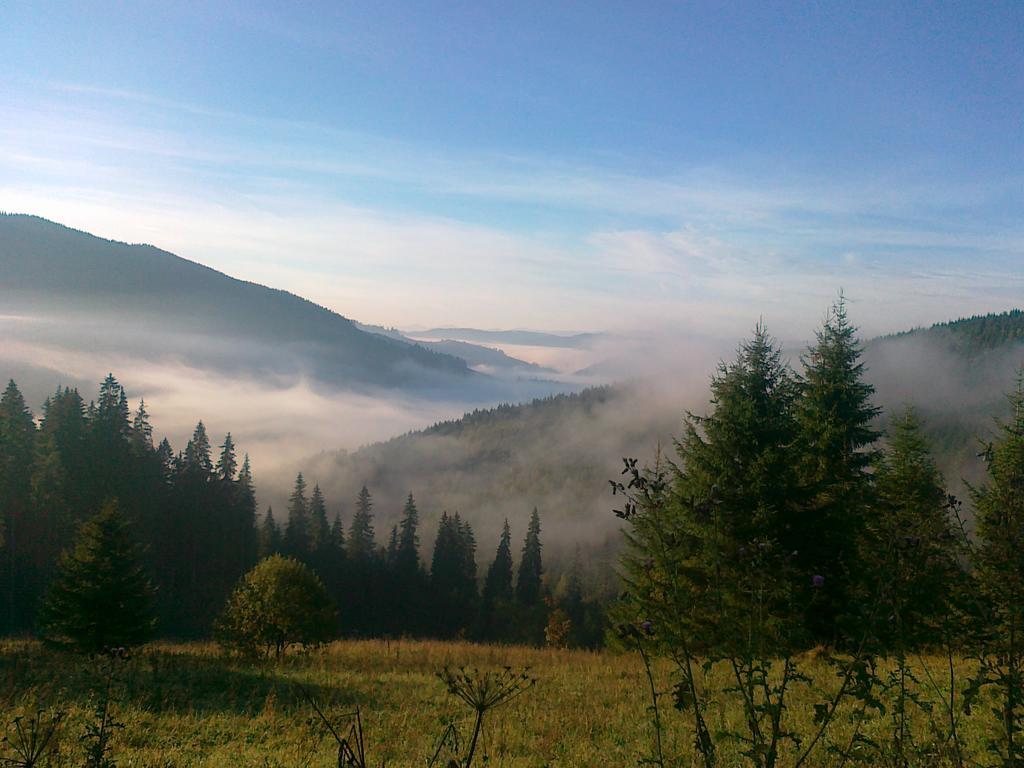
x=100 y=598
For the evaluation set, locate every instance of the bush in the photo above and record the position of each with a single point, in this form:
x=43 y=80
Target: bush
x=279 y=603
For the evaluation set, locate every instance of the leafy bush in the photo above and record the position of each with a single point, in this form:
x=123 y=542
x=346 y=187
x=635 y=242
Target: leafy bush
x=279 y=603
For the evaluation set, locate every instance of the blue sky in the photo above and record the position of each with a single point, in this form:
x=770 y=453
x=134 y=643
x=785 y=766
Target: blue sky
x=544 y=165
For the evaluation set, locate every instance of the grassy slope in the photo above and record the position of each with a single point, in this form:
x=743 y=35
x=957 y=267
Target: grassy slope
x=184 y=705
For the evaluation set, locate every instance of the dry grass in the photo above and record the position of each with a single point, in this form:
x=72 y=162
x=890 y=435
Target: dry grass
x=187 y=705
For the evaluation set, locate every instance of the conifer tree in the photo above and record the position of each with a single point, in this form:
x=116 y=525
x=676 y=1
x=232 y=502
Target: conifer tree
x=17 y=438
x=338 y=534
x=361 y=544
x=270 y=536
x=408 y=556
x=319 y=528
x=498 y=591
x=528 y=584
x=197 y=460
x=709 y=543
x=837 y=437
x=453 y=576
x=912 y=548
x=498 y=584
x=142 y=430
x=391 y=551
x=100 y=598
x=228 y=462
x=296 y=532
x=999 y=578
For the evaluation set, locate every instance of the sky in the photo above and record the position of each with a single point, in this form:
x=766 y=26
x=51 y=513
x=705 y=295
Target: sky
x=557 y=166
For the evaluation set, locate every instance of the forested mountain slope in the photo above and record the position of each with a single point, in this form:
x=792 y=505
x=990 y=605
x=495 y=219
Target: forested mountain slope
x=559 y=453
x=66 y=288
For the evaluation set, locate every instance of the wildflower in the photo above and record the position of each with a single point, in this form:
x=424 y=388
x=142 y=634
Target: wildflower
x=647 y=627
x=817 y=581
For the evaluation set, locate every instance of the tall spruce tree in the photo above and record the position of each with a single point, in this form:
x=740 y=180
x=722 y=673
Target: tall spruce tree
x=498 y=592
x=270 y=536
x=197 y=460
x=408 y=556
x=227 y=464
x=362 y=545
x=999 y=579
x=911 y=547
x=498 y=584
x=319 y=528
x=709 y=541
x=101 y=598
x=453 y=577
x=296 y=532
x=528 y=584
x=17 y=444
x=837 y=440
x=141 y=431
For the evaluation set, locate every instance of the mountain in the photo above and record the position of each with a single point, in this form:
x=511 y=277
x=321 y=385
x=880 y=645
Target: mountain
x=478 y=357
x=559 y=453
x=66 y=293
x=516 y=338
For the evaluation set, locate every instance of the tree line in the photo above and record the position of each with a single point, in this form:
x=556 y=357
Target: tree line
x=193 y=516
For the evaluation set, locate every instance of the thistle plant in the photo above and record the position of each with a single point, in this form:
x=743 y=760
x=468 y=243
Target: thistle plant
x=100 y=730
x=31 y=741
x=483 y=691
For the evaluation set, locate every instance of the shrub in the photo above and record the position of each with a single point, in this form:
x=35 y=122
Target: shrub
x=277 y=604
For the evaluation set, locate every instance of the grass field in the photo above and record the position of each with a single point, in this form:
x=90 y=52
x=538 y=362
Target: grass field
x=187 y=705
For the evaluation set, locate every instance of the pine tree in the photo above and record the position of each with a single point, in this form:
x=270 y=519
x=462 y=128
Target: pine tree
x=296 y=532
x=496 y=603
x=709 y=542
x=197 y=460
x=319 y=528
x=361 y=544
x=498 y=584
x=141 y=431
x=836 y=434
x=17 y=442
x=911 y=546
x=528 y=585
x=391 y=551
x=101 y=597
x=270 y=536
x=338 y=534
x=227 y=463
x=453 y=576
x=999 y=578
x=408 y=555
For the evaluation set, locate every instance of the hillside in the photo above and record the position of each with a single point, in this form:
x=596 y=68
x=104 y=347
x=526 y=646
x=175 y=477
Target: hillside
x=558 y=453
x=67 y=290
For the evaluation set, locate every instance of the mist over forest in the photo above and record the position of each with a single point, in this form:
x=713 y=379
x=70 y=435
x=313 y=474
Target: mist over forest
x=197 y=344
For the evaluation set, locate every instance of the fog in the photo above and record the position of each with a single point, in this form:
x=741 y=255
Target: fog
x=557 y=456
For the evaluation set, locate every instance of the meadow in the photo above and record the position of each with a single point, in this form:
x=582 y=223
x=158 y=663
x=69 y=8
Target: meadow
x=184 y=705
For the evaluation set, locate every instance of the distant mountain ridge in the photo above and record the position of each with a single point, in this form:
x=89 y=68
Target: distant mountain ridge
x=514 y=337
x=973 y=335
x=110 y=297
x=476 y=356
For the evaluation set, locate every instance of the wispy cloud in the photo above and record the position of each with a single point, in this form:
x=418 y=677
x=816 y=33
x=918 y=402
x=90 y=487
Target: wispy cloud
x=396 y=233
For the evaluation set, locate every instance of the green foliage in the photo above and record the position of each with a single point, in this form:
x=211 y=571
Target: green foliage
x=837 y=434
x=999 y=576
x=528 y=581
x=453 y=577
x=296 y=531
x=279 y=604
x=101 y=597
